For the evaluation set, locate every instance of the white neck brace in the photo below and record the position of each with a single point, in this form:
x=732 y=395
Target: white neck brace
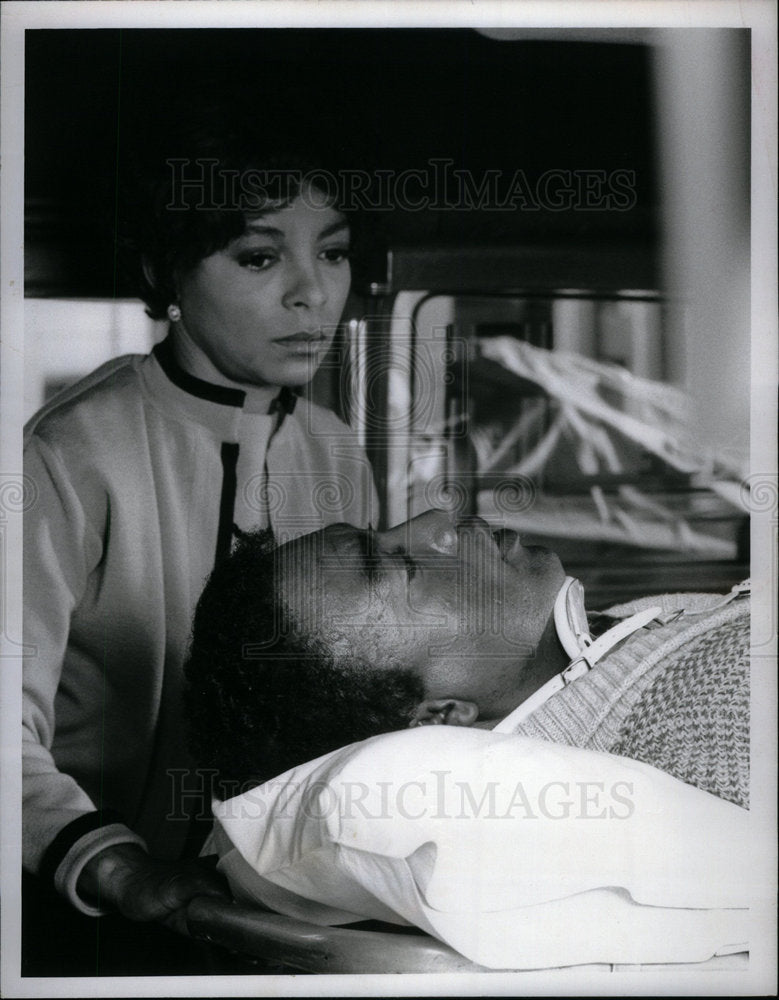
x=570 y=620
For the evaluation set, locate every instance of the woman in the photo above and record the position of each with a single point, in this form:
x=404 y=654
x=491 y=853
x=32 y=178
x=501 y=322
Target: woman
x=145 y=471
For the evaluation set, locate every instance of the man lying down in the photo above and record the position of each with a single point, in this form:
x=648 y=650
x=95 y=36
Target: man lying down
x=540 y=796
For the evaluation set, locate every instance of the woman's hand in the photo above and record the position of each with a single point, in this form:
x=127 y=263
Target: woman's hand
x=142 y=888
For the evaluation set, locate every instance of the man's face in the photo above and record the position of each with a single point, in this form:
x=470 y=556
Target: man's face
x=463 y=608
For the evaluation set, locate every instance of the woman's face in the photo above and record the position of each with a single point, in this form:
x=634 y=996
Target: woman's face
x=265 y=308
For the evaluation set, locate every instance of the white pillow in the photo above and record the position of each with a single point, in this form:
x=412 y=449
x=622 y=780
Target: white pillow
x=519 y=853
x=275 y=848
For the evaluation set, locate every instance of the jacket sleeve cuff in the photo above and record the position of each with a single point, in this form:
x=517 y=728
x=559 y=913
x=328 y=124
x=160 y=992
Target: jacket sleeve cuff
x=77 y=844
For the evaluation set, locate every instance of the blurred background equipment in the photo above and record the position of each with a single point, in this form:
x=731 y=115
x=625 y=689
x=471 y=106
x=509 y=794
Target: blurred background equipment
x=475 y=410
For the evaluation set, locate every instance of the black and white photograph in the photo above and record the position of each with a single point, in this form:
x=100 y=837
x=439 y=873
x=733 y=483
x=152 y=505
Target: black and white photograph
x=388 y=498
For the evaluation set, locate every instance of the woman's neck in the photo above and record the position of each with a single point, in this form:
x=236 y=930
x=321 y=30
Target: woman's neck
x=196 y=362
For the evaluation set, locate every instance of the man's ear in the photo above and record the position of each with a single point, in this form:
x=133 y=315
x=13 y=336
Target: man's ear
x=445 y=712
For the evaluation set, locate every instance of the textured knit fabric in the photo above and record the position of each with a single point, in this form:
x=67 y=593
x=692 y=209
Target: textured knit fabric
x=129 y=472
x=676 y=697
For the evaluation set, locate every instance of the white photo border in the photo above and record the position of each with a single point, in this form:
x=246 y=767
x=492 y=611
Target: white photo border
x=625 y=15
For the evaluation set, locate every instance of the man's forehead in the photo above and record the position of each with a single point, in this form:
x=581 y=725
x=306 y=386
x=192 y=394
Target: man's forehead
x=324 y=571
x=338 y=545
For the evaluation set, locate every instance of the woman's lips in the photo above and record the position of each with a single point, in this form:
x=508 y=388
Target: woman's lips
x=301 y=343
x=301 y=337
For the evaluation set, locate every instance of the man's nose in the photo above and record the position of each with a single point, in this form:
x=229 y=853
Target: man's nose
x=433 y=531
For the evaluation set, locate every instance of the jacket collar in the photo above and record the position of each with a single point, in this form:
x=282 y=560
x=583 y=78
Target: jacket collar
x=282 y=403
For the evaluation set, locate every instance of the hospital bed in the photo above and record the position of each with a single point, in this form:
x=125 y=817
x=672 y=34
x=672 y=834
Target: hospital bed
x=263 y=937
x=306 y=947
x=632 y=321
x=501 y=896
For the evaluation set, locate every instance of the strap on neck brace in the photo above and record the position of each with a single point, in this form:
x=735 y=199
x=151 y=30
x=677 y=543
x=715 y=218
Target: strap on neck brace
x=571 y=624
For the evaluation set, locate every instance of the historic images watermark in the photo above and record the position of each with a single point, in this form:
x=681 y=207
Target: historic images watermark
x=439 y=795
x=439 y=185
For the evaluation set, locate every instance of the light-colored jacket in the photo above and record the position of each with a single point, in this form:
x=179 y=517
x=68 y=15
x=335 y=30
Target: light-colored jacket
x=136 y=471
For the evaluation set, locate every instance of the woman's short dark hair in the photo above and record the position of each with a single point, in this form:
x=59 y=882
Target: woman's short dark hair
x=187 y=194
x=261 y=695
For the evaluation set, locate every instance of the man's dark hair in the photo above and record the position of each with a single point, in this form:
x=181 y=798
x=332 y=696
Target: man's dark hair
x=261 y=696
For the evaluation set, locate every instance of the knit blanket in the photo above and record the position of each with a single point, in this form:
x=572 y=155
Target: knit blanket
x=675 y=697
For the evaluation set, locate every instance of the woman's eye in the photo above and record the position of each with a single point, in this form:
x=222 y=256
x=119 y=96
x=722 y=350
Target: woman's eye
x=257 y=260
x=334 y=255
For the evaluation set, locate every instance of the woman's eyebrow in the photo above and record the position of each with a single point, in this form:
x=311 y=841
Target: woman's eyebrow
x=262 y=230
x=259 y=228
x=334 y=227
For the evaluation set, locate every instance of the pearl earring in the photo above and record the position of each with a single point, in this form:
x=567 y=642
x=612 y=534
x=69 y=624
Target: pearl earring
x=174 y=313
